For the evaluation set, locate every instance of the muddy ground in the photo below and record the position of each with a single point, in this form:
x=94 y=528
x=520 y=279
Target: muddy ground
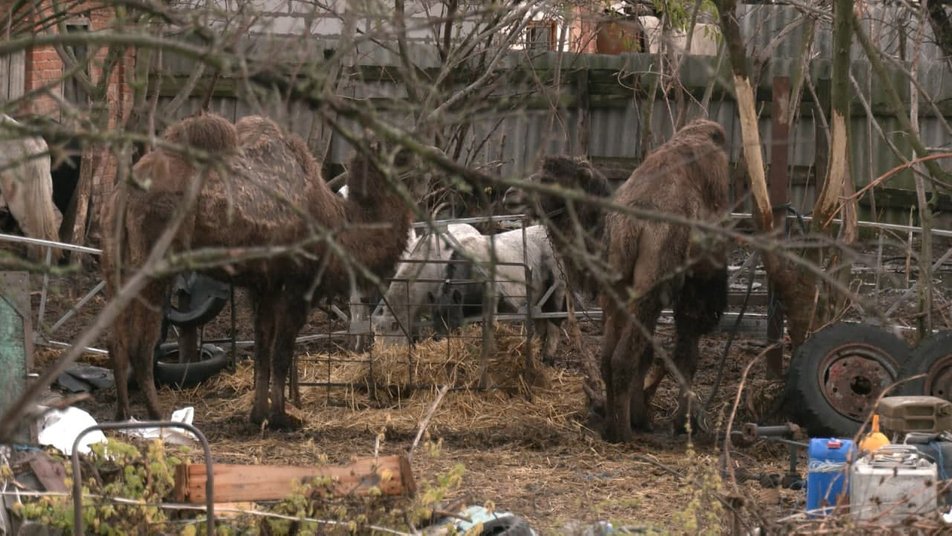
x=533 y=457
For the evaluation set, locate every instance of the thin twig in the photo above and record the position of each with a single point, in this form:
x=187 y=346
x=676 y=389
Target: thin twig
x=426 y=419
x=730 y=420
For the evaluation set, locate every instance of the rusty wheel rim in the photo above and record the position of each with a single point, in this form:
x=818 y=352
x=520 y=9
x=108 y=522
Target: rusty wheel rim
x=851 y=378
x=938 y=380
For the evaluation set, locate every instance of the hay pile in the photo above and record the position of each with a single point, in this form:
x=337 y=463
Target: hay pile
x=391 y=390
x=392 y=370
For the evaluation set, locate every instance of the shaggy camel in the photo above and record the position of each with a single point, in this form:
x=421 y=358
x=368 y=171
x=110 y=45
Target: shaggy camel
x=657 y=263
x=26 y=184
x=651 y=263
x=576 y=230
x=269 y=192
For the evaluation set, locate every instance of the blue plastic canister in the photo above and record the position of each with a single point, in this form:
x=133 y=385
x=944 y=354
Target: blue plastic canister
x=827 y=473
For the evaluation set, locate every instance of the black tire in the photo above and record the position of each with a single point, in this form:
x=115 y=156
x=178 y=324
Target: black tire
x=510 y=525
x=207 y=297
x=184 y=375
x=837 y=374
x=933 y=357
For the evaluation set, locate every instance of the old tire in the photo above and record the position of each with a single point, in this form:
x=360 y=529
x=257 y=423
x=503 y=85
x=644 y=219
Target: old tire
x=183 y=375
x=837 y=374
x=933 y=357
x=207 y=297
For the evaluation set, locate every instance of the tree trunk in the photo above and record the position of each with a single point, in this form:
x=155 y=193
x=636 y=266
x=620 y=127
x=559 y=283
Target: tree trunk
x=941 y=26
x=77 y=215
x=795 y=287
x=838 y=180
x=924 y=280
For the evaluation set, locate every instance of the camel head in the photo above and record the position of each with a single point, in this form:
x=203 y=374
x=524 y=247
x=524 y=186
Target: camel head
x=367 y=176
x=704 y=130
x=564 y=172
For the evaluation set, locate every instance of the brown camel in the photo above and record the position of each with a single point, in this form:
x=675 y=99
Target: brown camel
x=575 y=229
x=268 y=192
x=651 y=263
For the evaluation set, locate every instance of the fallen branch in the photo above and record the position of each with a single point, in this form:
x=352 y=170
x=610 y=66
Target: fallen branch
x=426 y=419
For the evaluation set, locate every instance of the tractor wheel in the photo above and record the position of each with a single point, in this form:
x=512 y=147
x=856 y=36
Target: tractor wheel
x=837 y=374
x=933 y=357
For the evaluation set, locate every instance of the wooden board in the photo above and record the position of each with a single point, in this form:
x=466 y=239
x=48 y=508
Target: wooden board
x=390 y=475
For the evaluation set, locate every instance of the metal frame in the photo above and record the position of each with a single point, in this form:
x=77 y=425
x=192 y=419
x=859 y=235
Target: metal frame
x=77 y=470
x=593 y=313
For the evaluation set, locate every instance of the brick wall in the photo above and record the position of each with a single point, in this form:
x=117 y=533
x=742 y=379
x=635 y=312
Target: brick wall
x=582 y=28
x=44 y=72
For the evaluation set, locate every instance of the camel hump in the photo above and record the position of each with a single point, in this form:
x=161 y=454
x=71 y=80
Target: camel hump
x=257 y=131
x=704 y=129
x=208 y=132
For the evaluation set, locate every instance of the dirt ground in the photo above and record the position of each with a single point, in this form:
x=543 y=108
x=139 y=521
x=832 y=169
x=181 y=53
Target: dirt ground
x=535 y=457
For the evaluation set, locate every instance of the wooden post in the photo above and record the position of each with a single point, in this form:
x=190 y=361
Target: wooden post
x=777 y=183
x=16 y=343
x=583 y=111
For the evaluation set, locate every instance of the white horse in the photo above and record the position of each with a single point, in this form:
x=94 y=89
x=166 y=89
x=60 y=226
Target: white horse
x=418 y=276
x=519 y=267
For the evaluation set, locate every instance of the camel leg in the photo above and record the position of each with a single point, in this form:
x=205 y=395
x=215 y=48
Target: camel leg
x=639 y=403
x=625 y=400
x=702 y=300
x=136 y=336
x=292 y=314
x=630 y=359
x=620 y=362
x=119 y=346
x=686 y=358
x=611 y=331
x=265 y=318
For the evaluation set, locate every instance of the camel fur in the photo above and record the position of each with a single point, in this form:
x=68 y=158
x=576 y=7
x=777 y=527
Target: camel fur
x=638 y=266
x=658 y=263
x=576 y=230
x=266 y=192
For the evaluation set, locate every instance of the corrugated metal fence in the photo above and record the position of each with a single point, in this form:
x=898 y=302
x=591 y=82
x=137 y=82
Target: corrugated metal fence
x=595 y=93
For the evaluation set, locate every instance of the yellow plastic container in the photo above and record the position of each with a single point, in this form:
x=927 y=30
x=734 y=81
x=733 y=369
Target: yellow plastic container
x=875 y=439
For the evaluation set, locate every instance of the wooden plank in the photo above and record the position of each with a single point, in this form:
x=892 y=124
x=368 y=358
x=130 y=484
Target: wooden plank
x=390 y=475
x=16 y=344
x=49 y=472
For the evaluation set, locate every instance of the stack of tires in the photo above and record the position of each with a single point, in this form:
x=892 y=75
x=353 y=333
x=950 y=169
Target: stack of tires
x=206 y=298
x=837 y=375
